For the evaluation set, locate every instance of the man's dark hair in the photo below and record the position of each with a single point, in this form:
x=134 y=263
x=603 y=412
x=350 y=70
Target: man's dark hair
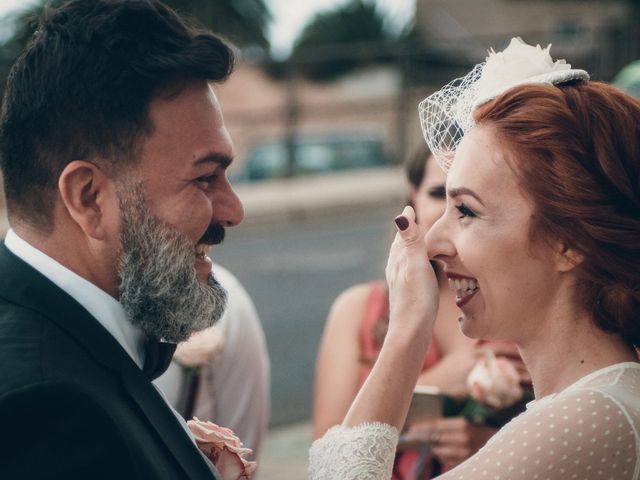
x=82 y=89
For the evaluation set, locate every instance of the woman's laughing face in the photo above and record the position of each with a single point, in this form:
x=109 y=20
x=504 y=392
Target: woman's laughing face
x=483 y=240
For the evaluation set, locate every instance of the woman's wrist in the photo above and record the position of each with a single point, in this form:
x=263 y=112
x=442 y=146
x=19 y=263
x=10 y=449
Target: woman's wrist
x=387 y=392
x=408 y=341
x=410 y=331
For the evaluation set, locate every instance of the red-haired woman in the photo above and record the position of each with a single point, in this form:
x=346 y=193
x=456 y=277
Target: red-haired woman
x=543 y=222
x=354 y=335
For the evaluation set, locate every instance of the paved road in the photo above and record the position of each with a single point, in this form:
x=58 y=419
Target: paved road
x=294 y=271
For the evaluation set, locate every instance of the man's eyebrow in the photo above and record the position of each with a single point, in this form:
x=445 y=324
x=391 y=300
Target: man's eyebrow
x=454 y=192
x=219 y=158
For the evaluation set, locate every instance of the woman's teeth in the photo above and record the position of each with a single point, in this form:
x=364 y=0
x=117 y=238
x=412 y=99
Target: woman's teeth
x=463 y=286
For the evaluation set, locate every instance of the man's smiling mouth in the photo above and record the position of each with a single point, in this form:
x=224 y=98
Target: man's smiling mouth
x=201 y=251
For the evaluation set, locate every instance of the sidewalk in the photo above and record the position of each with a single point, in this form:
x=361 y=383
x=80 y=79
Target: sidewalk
x=333 y=194
x=285 y=453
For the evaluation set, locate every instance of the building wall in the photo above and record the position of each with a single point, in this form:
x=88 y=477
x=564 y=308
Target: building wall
x=258 y=108
x=469 y=27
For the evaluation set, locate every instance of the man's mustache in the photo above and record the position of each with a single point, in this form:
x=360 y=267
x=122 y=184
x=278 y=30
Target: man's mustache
x=213 y=236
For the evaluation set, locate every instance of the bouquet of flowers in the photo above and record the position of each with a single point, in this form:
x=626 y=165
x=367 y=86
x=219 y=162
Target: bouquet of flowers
x=494 y=386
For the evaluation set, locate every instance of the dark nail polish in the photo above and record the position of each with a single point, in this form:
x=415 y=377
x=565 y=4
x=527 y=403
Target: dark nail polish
x=402 y=222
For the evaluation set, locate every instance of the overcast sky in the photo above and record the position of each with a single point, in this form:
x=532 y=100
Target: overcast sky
x=290 y=16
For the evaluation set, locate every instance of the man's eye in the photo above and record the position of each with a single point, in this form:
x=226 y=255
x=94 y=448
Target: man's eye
x=205 y=180
x=465 y=211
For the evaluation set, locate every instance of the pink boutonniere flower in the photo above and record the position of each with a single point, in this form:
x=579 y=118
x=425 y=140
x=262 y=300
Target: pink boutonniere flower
x=223 y=448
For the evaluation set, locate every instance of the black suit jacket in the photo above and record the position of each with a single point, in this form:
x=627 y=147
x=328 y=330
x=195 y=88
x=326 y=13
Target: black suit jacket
x=73 y=404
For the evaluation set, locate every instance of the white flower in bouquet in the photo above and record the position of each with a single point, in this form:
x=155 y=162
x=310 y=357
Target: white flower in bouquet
x=495 y=382
x=516 y=64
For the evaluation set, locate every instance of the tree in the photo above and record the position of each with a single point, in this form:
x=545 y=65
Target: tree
x=24 y=26
x=336 y=41
x=244 y=22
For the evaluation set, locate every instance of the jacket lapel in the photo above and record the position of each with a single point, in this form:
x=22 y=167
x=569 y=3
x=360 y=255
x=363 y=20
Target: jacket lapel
x=30 y=289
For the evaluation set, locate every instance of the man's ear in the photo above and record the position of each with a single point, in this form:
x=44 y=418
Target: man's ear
x=567 y=258
x=86 y=193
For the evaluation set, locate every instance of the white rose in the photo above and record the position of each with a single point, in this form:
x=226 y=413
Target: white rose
x=495 y=382
x=518 y=63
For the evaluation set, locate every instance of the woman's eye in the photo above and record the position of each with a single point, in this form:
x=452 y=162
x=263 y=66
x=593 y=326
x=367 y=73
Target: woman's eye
x=465 y=211
x=437 y=192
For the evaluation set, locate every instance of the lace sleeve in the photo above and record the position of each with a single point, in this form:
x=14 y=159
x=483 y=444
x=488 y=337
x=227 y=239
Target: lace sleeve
x=364 y=452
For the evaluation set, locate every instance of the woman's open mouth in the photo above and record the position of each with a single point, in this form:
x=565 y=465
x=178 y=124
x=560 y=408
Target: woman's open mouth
x=465 y=288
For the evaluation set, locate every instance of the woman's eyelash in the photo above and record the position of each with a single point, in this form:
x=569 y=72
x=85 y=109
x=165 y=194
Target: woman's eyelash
x=465 y=211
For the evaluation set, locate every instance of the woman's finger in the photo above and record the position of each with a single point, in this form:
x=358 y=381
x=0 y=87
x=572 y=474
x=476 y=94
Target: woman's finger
x=407 y=228
x=450 y=456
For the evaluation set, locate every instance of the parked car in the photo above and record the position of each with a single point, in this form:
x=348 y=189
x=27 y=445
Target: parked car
x=629 y=78
x=314 y=154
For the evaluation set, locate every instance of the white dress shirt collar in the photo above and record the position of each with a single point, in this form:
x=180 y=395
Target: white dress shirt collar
x=102 y=306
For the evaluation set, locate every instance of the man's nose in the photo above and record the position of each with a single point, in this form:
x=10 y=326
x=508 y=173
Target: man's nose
x=227 y=207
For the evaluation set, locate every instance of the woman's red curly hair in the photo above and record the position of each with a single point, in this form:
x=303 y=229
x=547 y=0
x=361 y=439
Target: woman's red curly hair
x=576 y=151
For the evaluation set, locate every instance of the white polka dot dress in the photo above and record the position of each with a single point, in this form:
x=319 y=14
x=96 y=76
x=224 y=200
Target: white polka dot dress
x=588 y=431
x=591 y=430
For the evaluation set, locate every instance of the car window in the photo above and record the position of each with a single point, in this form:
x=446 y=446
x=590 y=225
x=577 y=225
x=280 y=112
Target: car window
x=313 y=155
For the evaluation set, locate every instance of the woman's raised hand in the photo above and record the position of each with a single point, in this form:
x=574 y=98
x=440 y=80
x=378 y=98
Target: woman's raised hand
x=413 y=288
x=413 y=304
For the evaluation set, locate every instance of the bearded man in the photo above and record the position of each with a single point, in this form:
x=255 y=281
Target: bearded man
x=114 y=154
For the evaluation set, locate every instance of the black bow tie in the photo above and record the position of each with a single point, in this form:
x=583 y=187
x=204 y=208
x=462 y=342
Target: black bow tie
x=158 y=357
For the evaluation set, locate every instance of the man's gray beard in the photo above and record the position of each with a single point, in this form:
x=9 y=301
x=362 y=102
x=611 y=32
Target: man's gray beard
x=159 y=288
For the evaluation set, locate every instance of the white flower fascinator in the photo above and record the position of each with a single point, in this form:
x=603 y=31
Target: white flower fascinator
x=446 y=115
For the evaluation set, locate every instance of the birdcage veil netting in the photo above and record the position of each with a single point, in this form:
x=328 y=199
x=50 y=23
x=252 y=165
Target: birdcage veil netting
x=447 y=115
